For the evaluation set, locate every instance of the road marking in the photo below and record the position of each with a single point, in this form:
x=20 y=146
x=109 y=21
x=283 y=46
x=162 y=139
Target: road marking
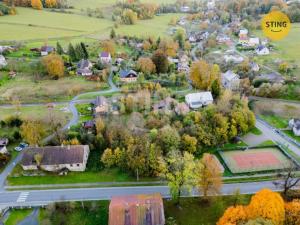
x=23 y=196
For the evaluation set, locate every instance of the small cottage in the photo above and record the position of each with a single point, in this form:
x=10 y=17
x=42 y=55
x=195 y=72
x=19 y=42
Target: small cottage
x=230 y=80
x=105 y=57
x=100 y=106
x=84 y=67
x=46 y=50
x=128 y=76
x=262 y=50
x=198 y=100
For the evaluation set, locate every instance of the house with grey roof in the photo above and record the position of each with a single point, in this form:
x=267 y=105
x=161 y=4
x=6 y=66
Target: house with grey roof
x=101 y=106
x=262 y=50
x=84 y=67
x=128 y=76
x=56 y=158
x=271 y=78
x=105 y=57
x=46 y=50
x=3 y=144
x=230 y=80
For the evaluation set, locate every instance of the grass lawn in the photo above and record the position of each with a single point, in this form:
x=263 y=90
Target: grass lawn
x=255 y=131
x=29 y=91
x=17 y=215
x=291 y=134
x=93 y=213
x=42 y=24
x=36 y=112
x=194 y=212
x=275 y=121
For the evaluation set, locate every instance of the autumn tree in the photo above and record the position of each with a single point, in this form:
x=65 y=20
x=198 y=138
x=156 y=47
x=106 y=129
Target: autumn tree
x=160 y=60
x=203 y=75
x=292 y=213
x=209 y=176
x=51 y=3
x=109 y=46
x=180 y=37
x=168 y=138
x=54 y=65
x=179 y=171
x=32 y=132
x=146 y=65
x=129 y=17
x=268 y=205
x=100 y=125
x=108 y=158
x=259 y=221
x=169 y=47
x=189 y=143
x=233 y=215
x=36 y=4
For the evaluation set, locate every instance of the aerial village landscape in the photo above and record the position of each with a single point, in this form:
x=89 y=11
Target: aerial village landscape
x=149 y=112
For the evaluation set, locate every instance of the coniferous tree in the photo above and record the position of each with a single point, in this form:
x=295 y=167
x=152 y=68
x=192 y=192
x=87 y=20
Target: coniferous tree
x=59 y=49
x=113 y=34
x=79 y=52
x=72 y=53
x=84 y=50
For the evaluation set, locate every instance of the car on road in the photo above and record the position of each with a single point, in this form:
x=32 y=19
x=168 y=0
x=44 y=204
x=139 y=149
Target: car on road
x=21 y=147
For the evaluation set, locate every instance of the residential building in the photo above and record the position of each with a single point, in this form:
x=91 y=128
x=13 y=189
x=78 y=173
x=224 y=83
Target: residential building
x=294 y=124
x=101 y=106
x=182 y=109
x=254 y=41
x=271 y=78
x=230 y=80
x=254 y=66
x=128 y=76
x=137 y=210
x=167 y=104
x=233 y=58
x=46 y=50
x=84 y=67
x=105 y=57
x=185 y=9
x=3 y=144
x=56 y=158
x=198 y=100
x=2 y=61
x=262 y=50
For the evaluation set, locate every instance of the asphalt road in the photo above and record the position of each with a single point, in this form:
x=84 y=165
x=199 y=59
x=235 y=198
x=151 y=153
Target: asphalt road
x=42 y=197
x=275 y=137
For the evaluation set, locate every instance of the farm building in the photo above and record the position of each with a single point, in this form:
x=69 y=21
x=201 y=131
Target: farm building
x=197 y=100
x=137 y=210
x=56 y=158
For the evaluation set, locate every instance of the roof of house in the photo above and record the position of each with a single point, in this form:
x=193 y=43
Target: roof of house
x=47 y=49
x=271 y=77
x=200 y=96
x=100 y=101
x=229 y=75
x=127 y=73
x=105 y=54
x=83 y=63
x=261 y=47
x=166 y=103
x=55 y=155
x=137 y=210
x=297 y=124
x=3 y=141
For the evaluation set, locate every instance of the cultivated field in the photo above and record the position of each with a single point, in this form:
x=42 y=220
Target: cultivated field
x=255 y=160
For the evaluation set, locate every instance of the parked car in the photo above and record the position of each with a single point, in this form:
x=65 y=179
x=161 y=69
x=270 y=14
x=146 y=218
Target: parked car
x=21 y=147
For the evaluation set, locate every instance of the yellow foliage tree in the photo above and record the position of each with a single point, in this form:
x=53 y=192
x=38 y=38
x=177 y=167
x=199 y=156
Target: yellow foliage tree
x=268 y=205
x=203 y=74
x=51 y=3
x=54 y=65
x=292 y=212
x=32 y=132
x=146 y=65
x=73 y=141
x=234 y=215
x=169 y=46
x=109 y=46
x=36 y=4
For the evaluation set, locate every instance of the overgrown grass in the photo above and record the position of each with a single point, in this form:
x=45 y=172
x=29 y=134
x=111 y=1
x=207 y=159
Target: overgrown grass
x=255 y=131
x=275 y=121
x=193 y=211
x=17 y=215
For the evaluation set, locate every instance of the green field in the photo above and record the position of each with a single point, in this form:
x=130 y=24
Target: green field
x=255 y=160
x=17 y=215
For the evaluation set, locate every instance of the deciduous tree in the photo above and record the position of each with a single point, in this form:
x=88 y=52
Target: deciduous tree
x=32 y=132
x=54 y=65
x=160 y=60
x=234 y=215
x=36 y=4
x=146 y=65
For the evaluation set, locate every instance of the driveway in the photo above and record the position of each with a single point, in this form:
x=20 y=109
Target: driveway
x=32 y=219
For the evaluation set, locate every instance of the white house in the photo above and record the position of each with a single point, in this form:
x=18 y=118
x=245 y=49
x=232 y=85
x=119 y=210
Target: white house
x=84 y=67
x=3 y=144
x=233 y=58
x=262 y=50
x=46 y=50
x=105 y=57
x=294 y=124
x=56 y=158
x=254 y=41
x=2 y=61
x=230 y=80
x=197 y=100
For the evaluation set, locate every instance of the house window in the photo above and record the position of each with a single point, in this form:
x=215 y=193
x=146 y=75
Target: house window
x=71 y=165
x=78 y=164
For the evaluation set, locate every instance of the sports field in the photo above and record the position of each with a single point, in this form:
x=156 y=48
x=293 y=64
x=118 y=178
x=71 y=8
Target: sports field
x=255 y=160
